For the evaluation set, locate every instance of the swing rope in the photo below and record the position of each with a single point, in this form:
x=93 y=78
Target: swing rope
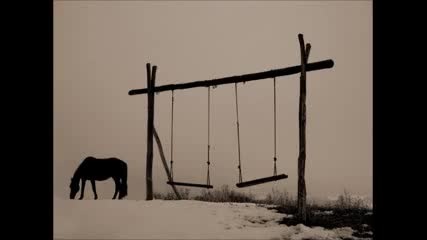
x=275 y=156
x=171 y=168
x=275 y=177
x=238 y=134
x=208 y=179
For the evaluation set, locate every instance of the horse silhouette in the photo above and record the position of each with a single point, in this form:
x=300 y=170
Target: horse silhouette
x=98 y=169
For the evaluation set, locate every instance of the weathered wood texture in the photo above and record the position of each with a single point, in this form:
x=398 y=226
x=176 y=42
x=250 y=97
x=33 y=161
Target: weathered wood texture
x=151 y=83
x=261 y=180
x=302 y=201
x=190 y=184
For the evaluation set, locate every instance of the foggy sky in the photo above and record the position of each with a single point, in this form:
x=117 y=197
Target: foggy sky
x=100 y=52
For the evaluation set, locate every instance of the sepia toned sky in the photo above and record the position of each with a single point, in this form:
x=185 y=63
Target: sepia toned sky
x=100 y=52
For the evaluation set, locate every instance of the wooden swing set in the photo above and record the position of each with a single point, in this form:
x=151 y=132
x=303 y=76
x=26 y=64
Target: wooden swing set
x=272 y=74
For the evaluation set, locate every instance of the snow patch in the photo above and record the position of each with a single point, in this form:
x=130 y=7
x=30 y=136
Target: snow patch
x=301 y=232
x=184 y=219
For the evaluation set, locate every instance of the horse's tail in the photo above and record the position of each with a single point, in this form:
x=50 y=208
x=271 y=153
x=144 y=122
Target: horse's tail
x=124 y=185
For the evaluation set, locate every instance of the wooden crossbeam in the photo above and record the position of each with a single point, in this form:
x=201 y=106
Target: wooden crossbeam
x=242 y=78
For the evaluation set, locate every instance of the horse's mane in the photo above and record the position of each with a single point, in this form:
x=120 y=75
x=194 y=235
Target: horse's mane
x=77 y=172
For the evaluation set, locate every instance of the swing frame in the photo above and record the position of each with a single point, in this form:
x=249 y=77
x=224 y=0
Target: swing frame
x=298 y=69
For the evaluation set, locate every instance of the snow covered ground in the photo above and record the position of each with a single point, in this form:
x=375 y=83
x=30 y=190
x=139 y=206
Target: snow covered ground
x=185 y=219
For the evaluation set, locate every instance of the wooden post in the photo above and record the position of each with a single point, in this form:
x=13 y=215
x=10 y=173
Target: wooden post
x=151 y=83
x=165 y=164
x=302 y=201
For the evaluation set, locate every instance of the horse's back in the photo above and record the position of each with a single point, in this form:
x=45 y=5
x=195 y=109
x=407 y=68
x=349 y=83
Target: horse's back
x=103 y=168
x=104 y=161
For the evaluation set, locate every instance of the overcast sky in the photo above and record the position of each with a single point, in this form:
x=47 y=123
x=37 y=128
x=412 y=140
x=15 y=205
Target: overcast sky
x=100 y=52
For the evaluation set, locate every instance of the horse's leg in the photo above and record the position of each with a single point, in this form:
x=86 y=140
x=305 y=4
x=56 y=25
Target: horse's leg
x=83 y=189
x=94 y=188
x=117 y=182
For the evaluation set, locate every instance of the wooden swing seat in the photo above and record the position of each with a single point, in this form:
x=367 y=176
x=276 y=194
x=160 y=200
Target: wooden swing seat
x=189 y=184
x=261 y=180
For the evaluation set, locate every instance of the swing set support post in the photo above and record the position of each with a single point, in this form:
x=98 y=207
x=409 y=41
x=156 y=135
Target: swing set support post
x=151 y=83
x=302 y=201
x=165 y=164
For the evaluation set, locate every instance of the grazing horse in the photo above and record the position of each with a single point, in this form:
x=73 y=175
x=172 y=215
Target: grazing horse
x=96 y=169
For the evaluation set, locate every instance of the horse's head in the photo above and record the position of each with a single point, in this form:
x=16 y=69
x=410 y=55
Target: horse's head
x=74 y=188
